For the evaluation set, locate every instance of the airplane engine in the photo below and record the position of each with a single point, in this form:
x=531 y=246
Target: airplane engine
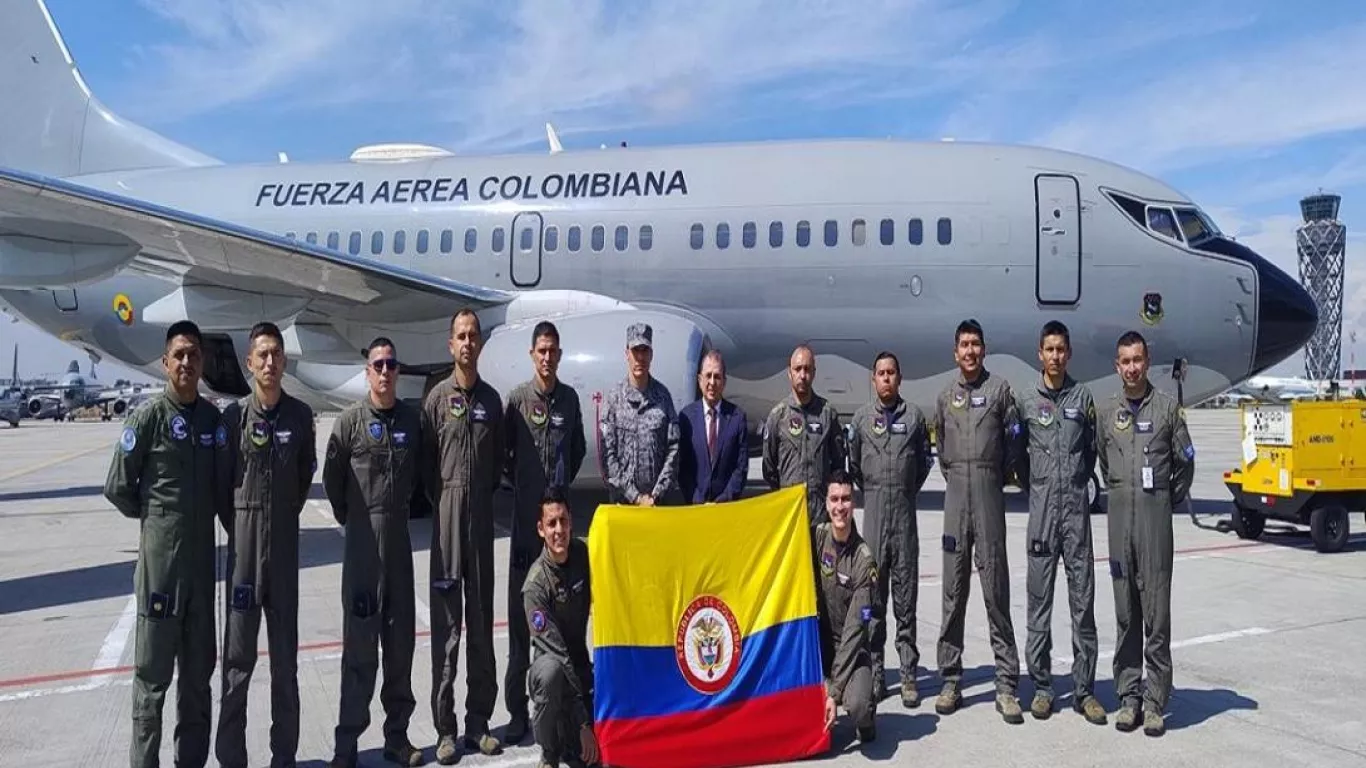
x=35 y=407
x=118 y=407
x=594 y=362
x=41 y=254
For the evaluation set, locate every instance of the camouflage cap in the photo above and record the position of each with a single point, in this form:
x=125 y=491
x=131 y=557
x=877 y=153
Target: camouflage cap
x=640 y=335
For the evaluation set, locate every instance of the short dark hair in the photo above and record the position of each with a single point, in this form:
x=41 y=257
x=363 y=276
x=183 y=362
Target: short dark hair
x=713 y=354
x=554 y=494
x=969 y=326
x=839 y=477
x=466 y=311
x=1131 y=338
x=265 y=329
x=1055 y=328
x=544 y=328
x=380 y=341
x=885 y=355
x=184 y=328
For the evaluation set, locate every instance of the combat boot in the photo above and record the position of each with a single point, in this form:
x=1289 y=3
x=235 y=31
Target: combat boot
x=485 y=743
x=950 y=699
x=1091 y=709
x=910 y=695
x=403 y=753
x=1153 y=724
x=447 y=753
x=1127 y=719
x=1042 y=706
x=868 y=734
x=1009 y=707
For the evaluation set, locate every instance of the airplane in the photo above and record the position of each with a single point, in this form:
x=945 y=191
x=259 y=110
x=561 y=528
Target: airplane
x=110 y=232
x=1281 y=388
x=74 y=392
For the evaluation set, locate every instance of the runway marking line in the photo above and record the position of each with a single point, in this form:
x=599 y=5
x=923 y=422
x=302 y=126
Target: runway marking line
x=52 y=462
x=502 y=624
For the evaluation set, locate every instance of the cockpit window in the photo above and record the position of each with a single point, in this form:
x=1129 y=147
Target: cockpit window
x=1193 y=225
x=1161 y=221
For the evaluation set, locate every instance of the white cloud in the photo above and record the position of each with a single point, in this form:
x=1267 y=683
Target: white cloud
x=1262 y=99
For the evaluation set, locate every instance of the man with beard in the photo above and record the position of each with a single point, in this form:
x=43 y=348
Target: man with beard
x=890 y=459
x=464 y=450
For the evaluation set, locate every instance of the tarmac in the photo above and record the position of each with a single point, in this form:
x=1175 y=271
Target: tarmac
x=1265 y=668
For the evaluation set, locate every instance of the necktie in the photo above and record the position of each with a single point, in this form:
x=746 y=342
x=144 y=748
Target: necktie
x=711 y=433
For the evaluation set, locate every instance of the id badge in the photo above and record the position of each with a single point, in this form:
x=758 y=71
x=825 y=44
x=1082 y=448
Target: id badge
x=1147 y=478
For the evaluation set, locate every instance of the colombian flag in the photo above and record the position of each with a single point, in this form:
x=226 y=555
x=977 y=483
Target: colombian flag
x=706 y=650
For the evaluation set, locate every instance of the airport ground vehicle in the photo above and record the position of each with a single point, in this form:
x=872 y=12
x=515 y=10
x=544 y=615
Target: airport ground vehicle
x=1303 y=462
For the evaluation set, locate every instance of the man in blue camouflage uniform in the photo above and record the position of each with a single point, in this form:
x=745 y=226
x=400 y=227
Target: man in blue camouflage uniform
x=639 y=429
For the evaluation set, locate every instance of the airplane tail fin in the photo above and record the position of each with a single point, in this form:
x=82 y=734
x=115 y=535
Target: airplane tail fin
x=51 y=123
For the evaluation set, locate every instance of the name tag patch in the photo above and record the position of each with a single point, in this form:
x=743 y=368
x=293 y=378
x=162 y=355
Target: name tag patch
x=206 y=439
x=979 y=401
x=283 y=436
x=557 y=420
x=814 y=427
x=400 y=438
x=899 y=428
x=1071 y=414
x=1145 y=426
x=478 y=413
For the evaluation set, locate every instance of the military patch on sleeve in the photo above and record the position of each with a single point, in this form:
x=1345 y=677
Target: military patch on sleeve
x=220 y=436
x=1190 y=452
x=866 y=612
x=128 y=439
x=538 y=620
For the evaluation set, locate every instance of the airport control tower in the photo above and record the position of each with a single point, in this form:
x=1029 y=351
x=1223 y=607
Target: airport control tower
x=1322 y=246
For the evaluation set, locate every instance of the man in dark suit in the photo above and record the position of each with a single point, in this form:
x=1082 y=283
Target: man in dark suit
x=713 y=440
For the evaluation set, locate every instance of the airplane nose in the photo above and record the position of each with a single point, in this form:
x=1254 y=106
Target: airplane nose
x=1287 y=316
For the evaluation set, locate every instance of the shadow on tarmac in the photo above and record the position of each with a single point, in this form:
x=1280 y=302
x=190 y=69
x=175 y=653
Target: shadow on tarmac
x=72 y=492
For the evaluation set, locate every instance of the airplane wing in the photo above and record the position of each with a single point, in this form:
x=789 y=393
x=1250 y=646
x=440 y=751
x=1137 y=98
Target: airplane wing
x=206 y=250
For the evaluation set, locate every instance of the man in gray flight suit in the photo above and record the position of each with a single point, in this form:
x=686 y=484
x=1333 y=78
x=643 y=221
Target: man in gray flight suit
x=1059 y=422
x=977 y=428
x=846 y=600
x=640 y=429
x=369 y=475
x=1148 y=462
x=171 y=472
x=464 y=447
x=546 y=448
x=555 y=603
x=272 y=445
x=890 y=459
x=803 y=440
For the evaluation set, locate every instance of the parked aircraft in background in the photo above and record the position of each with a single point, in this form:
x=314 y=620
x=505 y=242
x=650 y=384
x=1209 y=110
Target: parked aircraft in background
x=74 y=392
x=1278 y=388
x=12 y=403
x=109 y=233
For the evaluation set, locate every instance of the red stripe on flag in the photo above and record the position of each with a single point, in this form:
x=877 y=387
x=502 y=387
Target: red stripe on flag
x=767 y=729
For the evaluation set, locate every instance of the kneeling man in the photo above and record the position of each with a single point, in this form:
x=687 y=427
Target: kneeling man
x=556 y=598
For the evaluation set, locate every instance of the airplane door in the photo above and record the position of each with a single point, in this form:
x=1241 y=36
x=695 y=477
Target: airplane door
x=65 y=299
x=1057 y=278
x=525 y=264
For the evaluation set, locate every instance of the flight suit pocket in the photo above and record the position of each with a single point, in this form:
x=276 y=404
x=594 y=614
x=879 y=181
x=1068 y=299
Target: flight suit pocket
x=362 y=633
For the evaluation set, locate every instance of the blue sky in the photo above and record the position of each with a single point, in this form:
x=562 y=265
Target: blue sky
x=1245 y=105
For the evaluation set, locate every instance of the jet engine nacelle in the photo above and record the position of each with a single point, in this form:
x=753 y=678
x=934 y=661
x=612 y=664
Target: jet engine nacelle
x=36 y=254
x=594 y=363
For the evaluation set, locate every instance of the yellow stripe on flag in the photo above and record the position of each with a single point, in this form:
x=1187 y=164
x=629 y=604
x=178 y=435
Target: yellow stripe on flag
x=650 y=563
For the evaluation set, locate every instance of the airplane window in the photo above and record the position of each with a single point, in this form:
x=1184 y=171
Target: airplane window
x=945 y=231
x=353 y=243
x=722 y=236
x=400 y=237
x=552 y=238
x=916 y=231
x=499 y=240
x=888 y=232
x=647 y=237
x=622 y=237
x=447 y=240
x=1160 y=220
x=422 y=241
x=1132 y=207
x=333 y=240
x=1209 y=223
x=860 y=232
x=775 y=235
x=696 y=237
x=575 y=238
x=311 y=238
x=832 y=233
x=1192 y=226
x=749 y=233
x=471 y=240
x=803 y=233
x=526 y=236
x=599 y=237
x=377 y=242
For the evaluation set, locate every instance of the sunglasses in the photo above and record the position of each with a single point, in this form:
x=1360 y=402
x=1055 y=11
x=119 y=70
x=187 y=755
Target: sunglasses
x=384 y=364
